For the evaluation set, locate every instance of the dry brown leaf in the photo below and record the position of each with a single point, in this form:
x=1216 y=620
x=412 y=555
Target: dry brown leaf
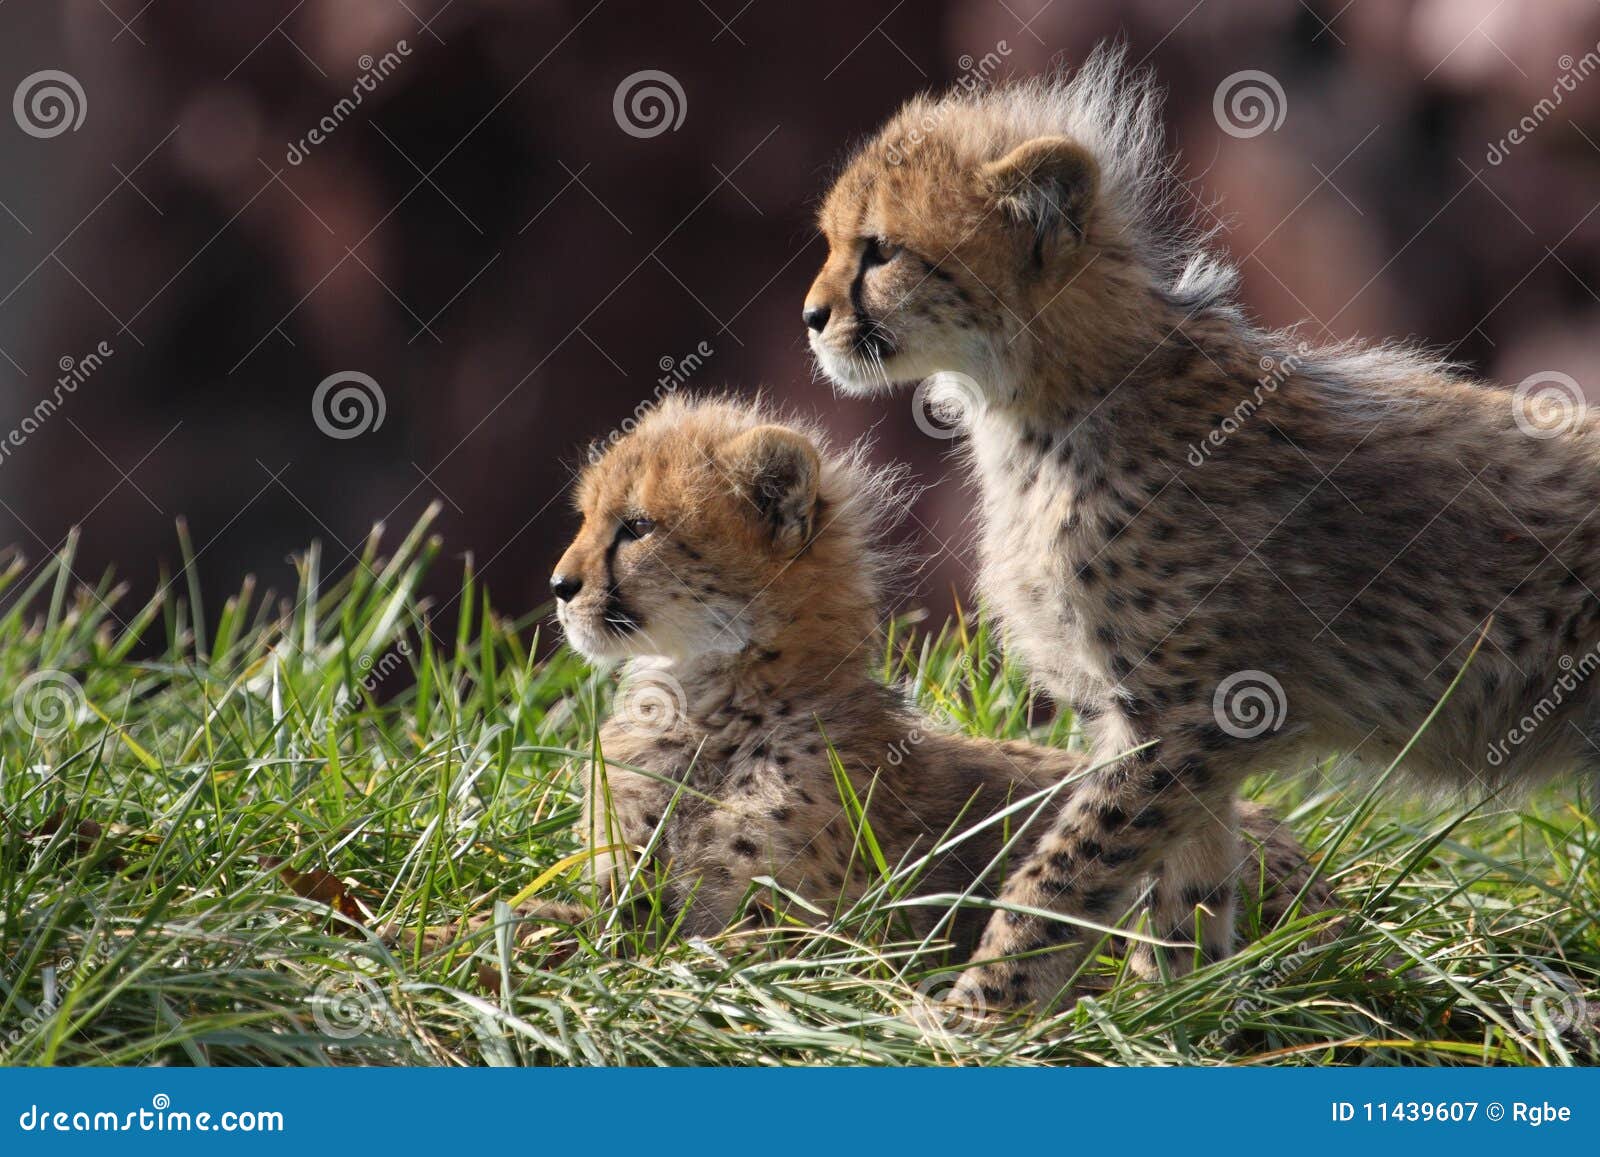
x=322 y=887
x=87 y=838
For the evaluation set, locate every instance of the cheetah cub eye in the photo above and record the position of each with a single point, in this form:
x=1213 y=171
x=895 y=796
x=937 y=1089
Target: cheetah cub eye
x=640 y=526
x=877 y=251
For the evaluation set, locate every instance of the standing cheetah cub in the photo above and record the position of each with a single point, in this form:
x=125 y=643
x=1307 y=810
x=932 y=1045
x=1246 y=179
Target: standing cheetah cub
x=1229 y=550
x=735 y=565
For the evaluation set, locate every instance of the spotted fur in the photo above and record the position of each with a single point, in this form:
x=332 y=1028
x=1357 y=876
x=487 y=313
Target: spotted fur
x=752 y=609
x=1177 y=505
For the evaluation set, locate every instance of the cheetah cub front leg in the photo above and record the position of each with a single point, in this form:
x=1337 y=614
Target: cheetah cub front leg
x=1171 y=803
x=1194 y=899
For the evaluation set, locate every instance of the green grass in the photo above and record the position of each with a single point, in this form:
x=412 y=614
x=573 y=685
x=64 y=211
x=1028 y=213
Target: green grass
x=156 y=762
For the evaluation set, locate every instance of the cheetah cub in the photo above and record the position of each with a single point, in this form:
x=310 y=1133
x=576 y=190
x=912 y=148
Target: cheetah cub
x=1230 y=550
x=735 y=565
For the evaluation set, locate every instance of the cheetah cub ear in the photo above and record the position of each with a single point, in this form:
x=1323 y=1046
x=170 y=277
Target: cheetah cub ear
x=778 y=470
x=1048 y=186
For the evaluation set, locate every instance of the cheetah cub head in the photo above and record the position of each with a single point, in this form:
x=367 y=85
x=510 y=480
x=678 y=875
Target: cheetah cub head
x=712 y=529
x=983 y=234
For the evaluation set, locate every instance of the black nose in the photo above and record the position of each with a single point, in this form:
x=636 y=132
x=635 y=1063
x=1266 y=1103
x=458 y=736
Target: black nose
x=565 y=586
x=816 y=317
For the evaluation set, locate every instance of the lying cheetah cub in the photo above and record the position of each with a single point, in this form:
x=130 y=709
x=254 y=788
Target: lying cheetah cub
x=1233 y=552
x=735 y=564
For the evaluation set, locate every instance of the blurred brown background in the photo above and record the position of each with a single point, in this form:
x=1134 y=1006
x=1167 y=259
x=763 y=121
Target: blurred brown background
x=482 y=237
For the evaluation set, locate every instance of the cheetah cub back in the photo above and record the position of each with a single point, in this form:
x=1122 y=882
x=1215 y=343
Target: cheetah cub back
x=735 y=564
